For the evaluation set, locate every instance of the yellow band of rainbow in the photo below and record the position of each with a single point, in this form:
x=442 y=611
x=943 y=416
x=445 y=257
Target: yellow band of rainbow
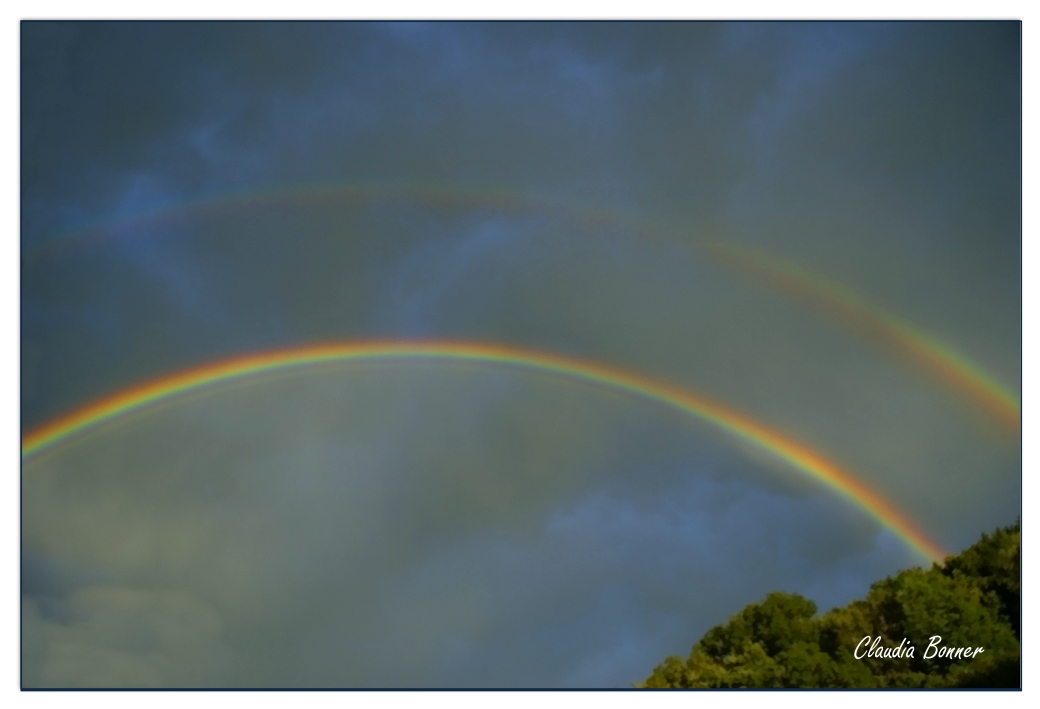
x=787 y=449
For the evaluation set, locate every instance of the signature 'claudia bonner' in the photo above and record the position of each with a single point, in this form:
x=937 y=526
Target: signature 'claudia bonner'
x=873 y=648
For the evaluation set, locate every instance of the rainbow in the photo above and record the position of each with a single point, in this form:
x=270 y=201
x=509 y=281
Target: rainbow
x=429 y=194
x=937 y=359
x=743 y=427
x=896 y=335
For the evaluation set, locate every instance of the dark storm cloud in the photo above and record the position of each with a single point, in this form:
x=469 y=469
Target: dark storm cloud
x=425 y=526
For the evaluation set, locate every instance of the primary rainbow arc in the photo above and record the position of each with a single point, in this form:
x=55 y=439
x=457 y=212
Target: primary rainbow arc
x=797 y=454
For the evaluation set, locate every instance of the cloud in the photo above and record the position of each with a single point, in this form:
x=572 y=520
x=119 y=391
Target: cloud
x=417 y=525
x=443 y=527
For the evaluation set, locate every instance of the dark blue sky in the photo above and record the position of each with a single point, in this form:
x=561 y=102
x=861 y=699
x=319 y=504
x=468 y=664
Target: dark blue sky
x=425 y=526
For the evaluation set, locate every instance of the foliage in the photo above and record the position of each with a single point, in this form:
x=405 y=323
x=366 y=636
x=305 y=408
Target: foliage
x=972 y=600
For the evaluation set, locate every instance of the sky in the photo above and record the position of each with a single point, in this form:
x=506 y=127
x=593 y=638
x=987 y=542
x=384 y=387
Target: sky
x=193 y=192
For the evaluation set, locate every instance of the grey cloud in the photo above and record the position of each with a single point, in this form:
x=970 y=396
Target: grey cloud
x=488 y=541
x=423 y=525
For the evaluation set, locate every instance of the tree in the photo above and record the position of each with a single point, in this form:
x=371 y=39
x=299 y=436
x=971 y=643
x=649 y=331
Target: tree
x=972 y=600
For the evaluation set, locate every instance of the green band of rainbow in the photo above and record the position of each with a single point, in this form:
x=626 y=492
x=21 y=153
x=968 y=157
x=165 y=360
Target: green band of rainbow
x=787 y=449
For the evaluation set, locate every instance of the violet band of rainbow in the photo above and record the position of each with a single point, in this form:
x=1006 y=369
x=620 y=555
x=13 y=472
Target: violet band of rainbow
x=787 y=449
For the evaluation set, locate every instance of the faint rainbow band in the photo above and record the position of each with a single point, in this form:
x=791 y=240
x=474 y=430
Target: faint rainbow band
x=886 y=329
x=855 y=313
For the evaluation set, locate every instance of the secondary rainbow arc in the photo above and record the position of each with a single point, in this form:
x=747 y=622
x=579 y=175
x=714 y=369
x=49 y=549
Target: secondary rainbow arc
x=793 y=452
x=938 y=359
x=891 y=332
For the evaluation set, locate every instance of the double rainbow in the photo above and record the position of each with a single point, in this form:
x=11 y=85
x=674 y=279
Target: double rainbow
x=935 y=358
x=796 y=454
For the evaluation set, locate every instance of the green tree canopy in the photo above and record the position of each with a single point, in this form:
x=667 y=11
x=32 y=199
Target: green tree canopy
x=972 y=600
